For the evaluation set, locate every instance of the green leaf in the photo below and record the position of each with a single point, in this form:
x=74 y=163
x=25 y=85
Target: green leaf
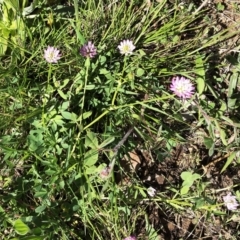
x=37 y=230
x=187 y=183
x=35 y=139
x=220 y=7
x=223 y=137
x=221 y=132
x=90 y=157
x=64 y=145
x=211 y=150
x=229 y=161
x=65 y=105
x=63 y=95
x=1 y=209
x=106 y=142
x=139 y=72
x=142 y=192
x=50 y=172
x=102 y=60
x=90 y=87
x=213 y=91
x=141 y=52
x=13 y=26
x=62 y=184
x=20 y=227
x=58 y=120
x=152 y=233
x=200 y=85
x=64 y=83
x=136 y=116
x=87 y=114
x=40 y=209
x=231 y=103
x=189 y=178
x=91 y=170
x=200 y=72
x=219 y=213
x=3 y=44
x=175 y=39
x=195 y=176
x=104 y=71
x=199 y=203
x=208 y=142
x=40 y=193
x=186 y=175
x=184 y=190
x=131 y=78
x=91 y=140
x=67 y=115
x=75 y=208
x=74 y=117
x=233 y=83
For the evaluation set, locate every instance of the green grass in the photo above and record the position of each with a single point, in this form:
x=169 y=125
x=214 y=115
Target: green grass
x=61 y=124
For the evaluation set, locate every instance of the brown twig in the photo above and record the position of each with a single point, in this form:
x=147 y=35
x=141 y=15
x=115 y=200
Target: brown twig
x=217 y=160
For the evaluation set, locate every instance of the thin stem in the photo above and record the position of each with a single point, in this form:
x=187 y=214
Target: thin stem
x=119 y=82
x=97 y=119
x=116 y=92
x=76 y=14
x=48 y=84
x=87 y=64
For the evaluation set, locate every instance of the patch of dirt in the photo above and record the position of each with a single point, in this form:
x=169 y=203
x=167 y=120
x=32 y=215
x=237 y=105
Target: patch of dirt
x=189 y=222
x=186 y=223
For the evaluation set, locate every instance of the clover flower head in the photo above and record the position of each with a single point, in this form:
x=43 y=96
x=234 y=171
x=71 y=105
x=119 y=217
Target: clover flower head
x=126 y=47
x=230 y=202
x=88 y=50
x=130 y=238
x=151 y=191
x=52 y=54
x=105 y=173
x=182 y=87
